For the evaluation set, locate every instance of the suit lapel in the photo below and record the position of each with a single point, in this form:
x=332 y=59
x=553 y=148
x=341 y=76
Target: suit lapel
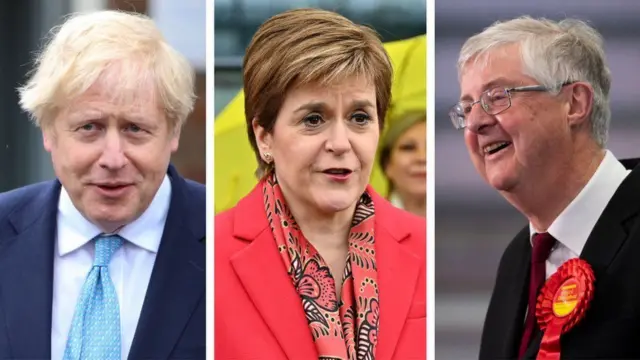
x=612 y=229
x=177 y=282
x=610 y=232
x=534 y=346
x=26 y=276
x=262 y=273
x=514 y=305
x=504 y=322
x=398 y=272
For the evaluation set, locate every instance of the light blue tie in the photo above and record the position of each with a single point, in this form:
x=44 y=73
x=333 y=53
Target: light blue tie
x=95 y=331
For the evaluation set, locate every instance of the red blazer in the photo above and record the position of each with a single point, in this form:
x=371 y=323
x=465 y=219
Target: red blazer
x=259 y=315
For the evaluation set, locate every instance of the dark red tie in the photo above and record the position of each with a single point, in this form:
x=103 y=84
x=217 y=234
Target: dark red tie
x=542 y=245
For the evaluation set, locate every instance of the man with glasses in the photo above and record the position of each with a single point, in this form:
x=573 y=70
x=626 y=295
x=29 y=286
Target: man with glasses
x=534 y=110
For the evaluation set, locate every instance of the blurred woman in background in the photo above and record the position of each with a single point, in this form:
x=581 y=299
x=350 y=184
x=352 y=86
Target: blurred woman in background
x=313 y=263
x=403 y=159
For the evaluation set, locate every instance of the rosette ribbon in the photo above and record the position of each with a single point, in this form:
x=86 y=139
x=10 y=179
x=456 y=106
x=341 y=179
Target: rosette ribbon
x=562 y=303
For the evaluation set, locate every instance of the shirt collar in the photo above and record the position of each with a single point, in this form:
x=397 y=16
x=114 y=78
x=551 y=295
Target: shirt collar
x=145 y=232
x=395 y=200
x=575 y=223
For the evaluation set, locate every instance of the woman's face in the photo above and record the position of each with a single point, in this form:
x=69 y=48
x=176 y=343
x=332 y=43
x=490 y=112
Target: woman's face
x=324 y=143
x=407 y=167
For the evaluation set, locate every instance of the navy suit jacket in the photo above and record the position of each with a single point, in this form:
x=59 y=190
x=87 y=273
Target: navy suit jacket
x=173 y=317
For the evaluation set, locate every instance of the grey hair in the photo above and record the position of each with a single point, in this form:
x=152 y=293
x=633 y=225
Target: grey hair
x=553 y=53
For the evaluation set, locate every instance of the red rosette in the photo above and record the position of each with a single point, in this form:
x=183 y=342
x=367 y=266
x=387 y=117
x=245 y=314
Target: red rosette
x=562 y=303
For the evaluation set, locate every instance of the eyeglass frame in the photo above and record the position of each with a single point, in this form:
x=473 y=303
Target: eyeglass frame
x=508 y=91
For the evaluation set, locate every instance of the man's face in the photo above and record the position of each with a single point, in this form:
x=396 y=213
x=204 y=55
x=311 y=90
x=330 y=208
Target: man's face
x=111 y=157
x=517 y=145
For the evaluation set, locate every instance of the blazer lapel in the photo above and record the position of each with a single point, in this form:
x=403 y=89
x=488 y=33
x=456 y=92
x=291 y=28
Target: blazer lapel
x=609 y=233
x=504 y=322
x=398 y=272
x=534 y=346
x=612 y=229
x=177 y=281
x=26 y=276
x=513 y=306
x=262 y=273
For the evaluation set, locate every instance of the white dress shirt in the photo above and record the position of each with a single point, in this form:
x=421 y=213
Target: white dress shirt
x=573 y=226
x=130 y=267
x=395 y=200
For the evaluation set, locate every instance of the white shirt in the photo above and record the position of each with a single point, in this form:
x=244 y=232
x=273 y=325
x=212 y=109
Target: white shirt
x=573 y=226
x=130 y=266
x=395 y=200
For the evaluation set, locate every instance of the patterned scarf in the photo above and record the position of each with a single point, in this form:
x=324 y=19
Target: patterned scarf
x=345 y=329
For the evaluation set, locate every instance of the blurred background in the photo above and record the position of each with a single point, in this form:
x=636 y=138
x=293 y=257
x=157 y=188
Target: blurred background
x=473 y=223
x=235 y=23
x=237 y=20
x=23 y=24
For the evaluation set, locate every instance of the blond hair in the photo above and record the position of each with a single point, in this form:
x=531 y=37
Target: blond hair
x=126 y=48
x=305 y=46
x=553 y=53
x=398 y=125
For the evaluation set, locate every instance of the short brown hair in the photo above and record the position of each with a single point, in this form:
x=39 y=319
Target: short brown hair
x=304 y=46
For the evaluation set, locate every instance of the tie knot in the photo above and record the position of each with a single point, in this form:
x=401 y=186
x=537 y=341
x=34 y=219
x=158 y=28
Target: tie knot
x=106 y=246
x=542 y=245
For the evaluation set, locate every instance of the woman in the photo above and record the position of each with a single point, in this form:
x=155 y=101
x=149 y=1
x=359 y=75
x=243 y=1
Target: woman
x=313 y=264
x=403 y=159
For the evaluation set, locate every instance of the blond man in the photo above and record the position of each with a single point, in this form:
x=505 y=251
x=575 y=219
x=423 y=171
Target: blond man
x=107 y=260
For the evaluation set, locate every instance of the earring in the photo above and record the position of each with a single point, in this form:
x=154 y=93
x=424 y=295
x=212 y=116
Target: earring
x=268 y=158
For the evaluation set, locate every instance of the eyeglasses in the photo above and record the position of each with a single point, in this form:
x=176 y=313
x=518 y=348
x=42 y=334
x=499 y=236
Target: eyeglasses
x=493 y=101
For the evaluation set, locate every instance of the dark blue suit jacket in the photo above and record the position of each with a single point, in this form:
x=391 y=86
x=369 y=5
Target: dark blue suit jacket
x=173 y=317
